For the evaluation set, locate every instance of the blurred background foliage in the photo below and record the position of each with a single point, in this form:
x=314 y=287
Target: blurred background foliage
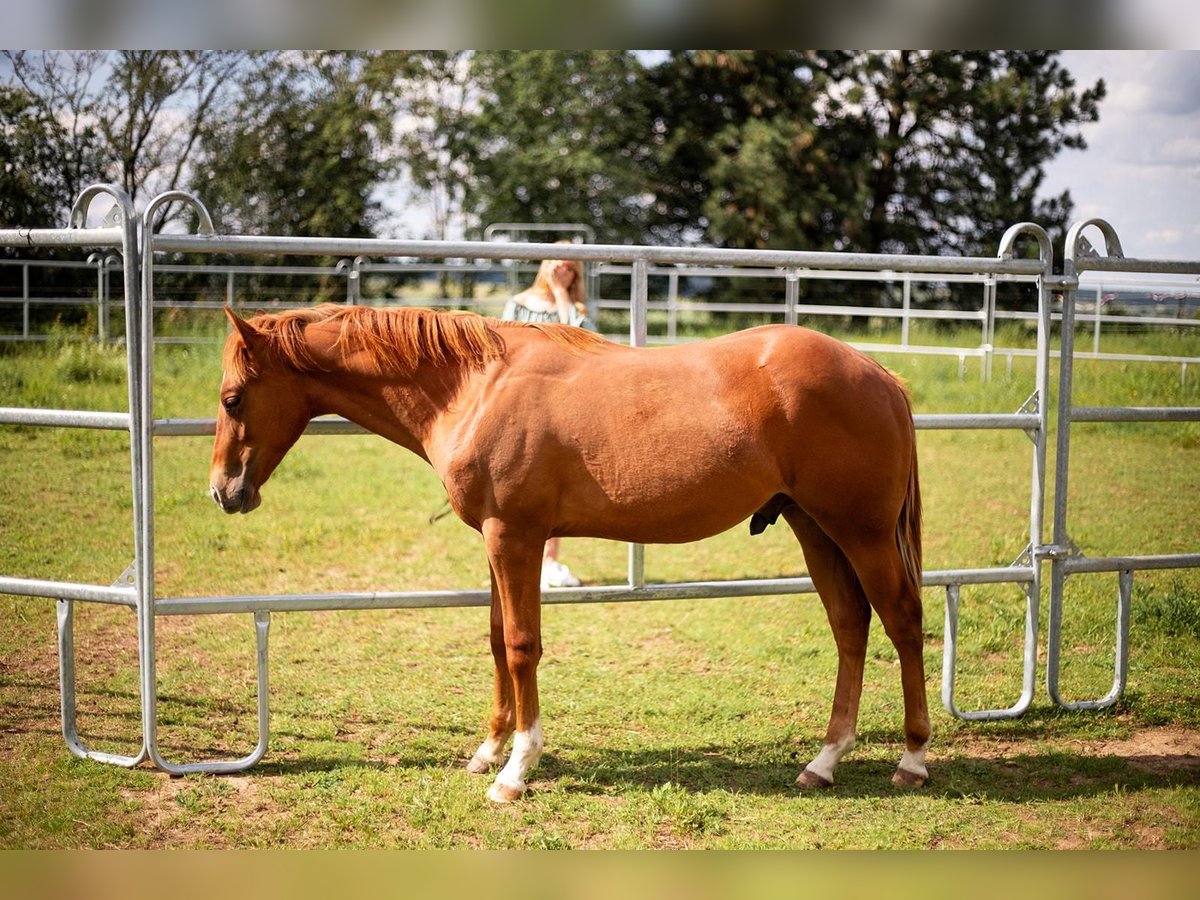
x=900 y=151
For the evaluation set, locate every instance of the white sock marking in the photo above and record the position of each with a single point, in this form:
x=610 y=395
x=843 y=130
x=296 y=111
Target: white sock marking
x=914 y=761
x=491 y=751
x=829 y=757
x=527 y=749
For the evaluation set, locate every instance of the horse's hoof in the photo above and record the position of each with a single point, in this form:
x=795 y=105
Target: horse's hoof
x=809 y=780
x=907 y=779
x=478 y=766
x=505 y=793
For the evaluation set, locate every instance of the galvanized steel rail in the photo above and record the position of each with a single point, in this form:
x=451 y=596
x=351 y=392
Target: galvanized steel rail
x=1065 y=558
x=117 y=232
x=137 y=590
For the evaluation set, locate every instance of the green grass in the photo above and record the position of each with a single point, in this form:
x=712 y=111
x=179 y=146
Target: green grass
x=672 y=724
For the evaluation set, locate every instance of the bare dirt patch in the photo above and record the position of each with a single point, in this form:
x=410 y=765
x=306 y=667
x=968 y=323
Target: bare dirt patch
x=1166 y=750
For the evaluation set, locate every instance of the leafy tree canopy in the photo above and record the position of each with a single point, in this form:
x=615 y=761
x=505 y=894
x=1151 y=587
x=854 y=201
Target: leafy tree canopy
x=902 y=151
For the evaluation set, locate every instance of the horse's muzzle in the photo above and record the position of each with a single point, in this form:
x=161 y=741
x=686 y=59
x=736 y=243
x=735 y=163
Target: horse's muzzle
x=243 y=500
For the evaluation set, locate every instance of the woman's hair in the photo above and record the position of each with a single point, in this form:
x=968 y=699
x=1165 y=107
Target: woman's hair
x=578 y=292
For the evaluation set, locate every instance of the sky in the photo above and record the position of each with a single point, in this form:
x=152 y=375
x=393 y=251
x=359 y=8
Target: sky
x=1141 y=168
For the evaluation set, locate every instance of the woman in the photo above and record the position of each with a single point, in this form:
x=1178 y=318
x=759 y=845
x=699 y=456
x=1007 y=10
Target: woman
x=556 y=295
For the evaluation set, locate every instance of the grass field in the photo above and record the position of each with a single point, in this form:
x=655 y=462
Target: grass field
x=672 y=724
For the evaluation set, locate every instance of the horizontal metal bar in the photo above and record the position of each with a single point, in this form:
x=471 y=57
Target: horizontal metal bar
x=885 y=275
x=49 y=263
x=1135 y=413
x=696 y=590
x=1076 y=565
x=254 y=270
x=804 y=309
x=338 y=425
x=64 y=418
x=208 y=427
x=61 y=237
x=998 y=575
x=1149 y=266
x=181 y=243
x=919 y=350
x=55 y=301
x=68 y=590
x=1084 y=319
x=940 y=421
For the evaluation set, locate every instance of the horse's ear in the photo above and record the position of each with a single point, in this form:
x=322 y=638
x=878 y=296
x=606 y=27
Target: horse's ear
x=251 y=337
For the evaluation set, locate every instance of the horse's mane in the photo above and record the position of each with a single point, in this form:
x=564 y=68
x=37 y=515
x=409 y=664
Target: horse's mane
x=393 y=338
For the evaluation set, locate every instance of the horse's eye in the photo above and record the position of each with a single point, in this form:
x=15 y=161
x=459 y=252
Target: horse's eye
x=232 y=402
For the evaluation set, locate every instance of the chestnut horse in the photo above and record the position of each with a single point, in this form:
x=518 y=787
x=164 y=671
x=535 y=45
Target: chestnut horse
x=546 y=430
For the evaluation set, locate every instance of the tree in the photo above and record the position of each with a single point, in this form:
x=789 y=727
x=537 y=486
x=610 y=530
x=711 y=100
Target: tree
x=903 y=151
x=740 y=162
x=441 y=91
x=52 y=147
x=158 y=104
x=31 y=190
x=561 y=137
x=945 y=150
x=132 y=117
x=301 y=151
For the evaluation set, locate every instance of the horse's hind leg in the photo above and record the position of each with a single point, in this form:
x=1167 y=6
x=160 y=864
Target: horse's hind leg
x=850 y=618
x=504 y=716
x=898 y=604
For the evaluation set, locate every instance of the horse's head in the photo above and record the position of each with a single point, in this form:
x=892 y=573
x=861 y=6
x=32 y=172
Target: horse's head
x=262 y=413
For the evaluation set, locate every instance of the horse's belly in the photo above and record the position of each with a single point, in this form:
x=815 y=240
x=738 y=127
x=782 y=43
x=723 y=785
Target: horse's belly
x=661 y=502
x=660 y=527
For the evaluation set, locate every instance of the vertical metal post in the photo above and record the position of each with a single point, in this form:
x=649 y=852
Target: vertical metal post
x=1036 y=505
x=672 y=306
x=355 y=286
x=638 y=297
x=66 y=676
x=99 y=258
x=1062 y=460
x=906 y=306
x=107 y=303
x=1037 y=494
x=66 y=628
x=639 y=293
x=950 y=649
x=25 y=299
x=1096 y=327
x=142 y=337
x=989 y=325
x=229 y=288
x=1076 y=247
x=791 y=296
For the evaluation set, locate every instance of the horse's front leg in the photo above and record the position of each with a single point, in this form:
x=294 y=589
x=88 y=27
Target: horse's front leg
x=503 y=721
x=516 y=561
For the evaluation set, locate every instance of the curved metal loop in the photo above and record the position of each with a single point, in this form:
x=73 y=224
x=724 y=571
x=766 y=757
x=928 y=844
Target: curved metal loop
x=1076 y=246
x=205 y=226
x=1045 y=247
x=83 y=202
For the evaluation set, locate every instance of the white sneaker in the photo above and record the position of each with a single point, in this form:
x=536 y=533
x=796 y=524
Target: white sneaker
x=555 y=574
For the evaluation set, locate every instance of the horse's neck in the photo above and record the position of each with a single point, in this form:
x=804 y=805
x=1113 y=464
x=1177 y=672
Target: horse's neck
x=400 y=407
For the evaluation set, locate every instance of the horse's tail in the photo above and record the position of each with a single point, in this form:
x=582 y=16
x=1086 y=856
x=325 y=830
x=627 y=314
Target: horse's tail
x=908 y=527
